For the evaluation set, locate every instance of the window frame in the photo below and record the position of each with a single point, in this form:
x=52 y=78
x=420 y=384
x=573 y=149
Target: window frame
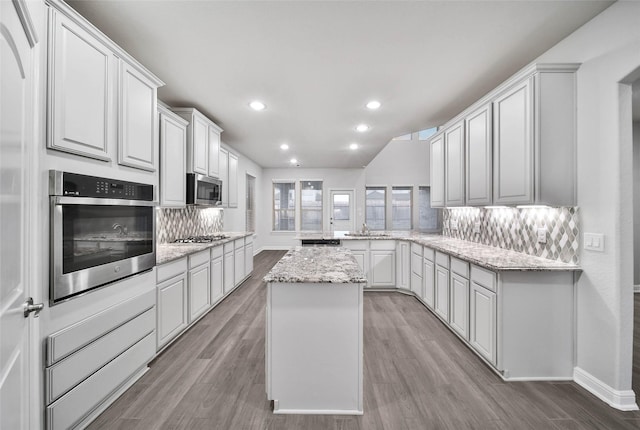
x=409 y=188
x=274 y=182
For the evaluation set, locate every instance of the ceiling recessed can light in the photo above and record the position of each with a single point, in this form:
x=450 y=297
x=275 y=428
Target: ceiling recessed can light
x=293 y=161
x=257 y=105
x=353 y=146
x=284 y=146
x=362 y=128
x=374 y=104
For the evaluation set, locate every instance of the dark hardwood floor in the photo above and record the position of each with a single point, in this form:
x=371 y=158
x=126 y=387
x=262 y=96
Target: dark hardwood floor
x=418 y=375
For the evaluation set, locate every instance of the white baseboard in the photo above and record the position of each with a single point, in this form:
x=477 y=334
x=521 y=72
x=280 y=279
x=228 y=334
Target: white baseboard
x=621 y=400
x=636 y=289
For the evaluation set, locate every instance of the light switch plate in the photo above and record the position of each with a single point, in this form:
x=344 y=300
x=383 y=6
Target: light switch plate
x=594 y=242
x=542 y=235
x=453 y=224
x=476 y=227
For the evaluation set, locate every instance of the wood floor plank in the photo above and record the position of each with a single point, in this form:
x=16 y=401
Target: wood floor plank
x=418 y=375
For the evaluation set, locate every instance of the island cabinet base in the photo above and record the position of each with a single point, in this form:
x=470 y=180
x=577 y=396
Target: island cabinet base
x=314 y=354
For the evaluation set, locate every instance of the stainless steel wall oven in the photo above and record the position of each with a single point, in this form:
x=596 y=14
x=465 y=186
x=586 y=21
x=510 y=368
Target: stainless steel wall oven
x=102 y=230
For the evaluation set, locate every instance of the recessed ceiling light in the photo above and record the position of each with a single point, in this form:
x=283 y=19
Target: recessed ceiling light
x=284 y=146
x=362 y=128
x=293 y=161
x=353 y=146
x=374 y=104
x=257 y=105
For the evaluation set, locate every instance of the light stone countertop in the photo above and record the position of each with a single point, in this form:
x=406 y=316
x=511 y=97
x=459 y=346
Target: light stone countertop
x=489 y=257
x=166 y=252
x=335 y=265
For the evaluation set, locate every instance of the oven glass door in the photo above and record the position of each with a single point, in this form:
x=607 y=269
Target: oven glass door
x=207 y=192
x=95 y=243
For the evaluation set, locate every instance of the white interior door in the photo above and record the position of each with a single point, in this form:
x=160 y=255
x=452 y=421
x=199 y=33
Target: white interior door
x=342 y=207
x=16 y=112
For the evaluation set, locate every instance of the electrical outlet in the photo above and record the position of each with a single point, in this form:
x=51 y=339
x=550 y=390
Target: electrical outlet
x=594 y=242
x=476 y=227
x=542 y=235
x=453 y=224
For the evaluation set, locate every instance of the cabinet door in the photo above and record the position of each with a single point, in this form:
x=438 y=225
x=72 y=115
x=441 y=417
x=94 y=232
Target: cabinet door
x=233 y=180
x=361 y=257
x=459 y=316
x=229 y=272
x=199 y=292
x=513 y=146
x=437 y=171
x=383 y=268
x=416 y=274
x=478 y=156
x=217 y=280
x=483 y=322
x=81 y=89
x=454 y=165
x=224 y=176
x=248 y=259
x=403 y=266
x=428 y=282
x=137 y=142
x=199 y=145
x=173 y=157
x=239 y=266
x=214 y=151
x=442 y=292
x=173 y=314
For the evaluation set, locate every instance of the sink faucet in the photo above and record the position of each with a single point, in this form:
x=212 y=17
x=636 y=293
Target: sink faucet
x=365 y=229
x=122 y=229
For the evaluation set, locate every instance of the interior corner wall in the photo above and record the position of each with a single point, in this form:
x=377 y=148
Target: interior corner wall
x=636 y=202
x=609 y=49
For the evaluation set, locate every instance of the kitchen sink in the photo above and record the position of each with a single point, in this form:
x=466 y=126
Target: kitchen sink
x=369 y=234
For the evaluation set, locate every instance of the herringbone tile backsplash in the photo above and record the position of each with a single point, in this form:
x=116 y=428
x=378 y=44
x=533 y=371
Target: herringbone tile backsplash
x=516 y=229
x=172 y=224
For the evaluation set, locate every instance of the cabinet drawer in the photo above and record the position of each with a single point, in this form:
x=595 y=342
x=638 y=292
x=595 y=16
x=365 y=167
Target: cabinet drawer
x=356 y=244
x=382 y=245
x=74 y=406
x=239 y=243
x=429 y=254
x=442 y=259
x=228 y=247
x=248 y=240
x=198 y=259
x=69 y=372
x=217 y=252
x=416 y=249
x=460 y=267
x=170 y=270
x=483 y=277
x=416 y=264
x=72 y=338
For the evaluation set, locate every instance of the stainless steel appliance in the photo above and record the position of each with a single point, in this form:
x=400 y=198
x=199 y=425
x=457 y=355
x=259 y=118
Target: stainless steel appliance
x=320 y=242
x=203 y=190
x=102 y=230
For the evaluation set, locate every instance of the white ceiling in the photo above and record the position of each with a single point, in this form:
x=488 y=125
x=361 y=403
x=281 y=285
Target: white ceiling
x=316 y=63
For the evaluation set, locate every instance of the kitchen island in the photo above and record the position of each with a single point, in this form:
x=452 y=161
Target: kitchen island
x=314 y=355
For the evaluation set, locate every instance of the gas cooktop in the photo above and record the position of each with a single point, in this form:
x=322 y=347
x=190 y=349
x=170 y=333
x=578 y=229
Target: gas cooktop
x=201 y=239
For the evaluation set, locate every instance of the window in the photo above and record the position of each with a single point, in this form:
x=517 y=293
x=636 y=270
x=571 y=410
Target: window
x=426 y=134
x=429 y=219
x=341 y=207
x=375 y=208
x=311 y=205
x=401 y=208
x=284 y=206
x=250 y=219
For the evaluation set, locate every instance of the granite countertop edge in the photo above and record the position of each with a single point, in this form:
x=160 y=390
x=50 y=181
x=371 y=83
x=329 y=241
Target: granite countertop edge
x=501 y=260
x=167 y=252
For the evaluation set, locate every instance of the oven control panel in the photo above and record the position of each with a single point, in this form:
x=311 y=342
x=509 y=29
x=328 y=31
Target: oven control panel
x=75 y=185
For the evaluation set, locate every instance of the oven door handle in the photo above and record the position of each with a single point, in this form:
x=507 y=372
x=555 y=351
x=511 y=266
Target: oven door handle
x=62 y=200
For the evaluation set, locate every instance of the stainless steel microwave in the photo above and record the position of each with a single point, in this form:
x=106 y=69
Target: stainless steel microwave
x=203 y=190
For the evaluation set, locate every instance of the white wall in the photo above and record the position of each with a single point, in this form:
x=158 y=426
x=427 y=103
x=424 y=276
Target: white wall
x=636 y=201
x=609 y=49
x=332 y=178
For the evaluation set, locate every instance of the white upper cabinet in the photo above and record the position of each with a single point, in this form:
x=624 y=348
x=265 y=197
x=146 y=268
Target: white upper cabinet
x=513 y=144
x=100 y=99
x=224 y=176
x=233 y=180
x=437 y=171
x=137 y=106
x=214 y=150
x=454 y=165
x=173 y=158
x=478 y=157
x=81 y=90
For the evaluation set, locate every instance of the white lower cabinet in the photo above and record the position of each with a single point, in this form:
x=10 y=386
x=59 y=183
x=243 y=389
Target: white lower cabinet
x=459 y=312
x=238 y=262
x=382 y=263
x=483 y=321
x=442 y=290
x=229 y=271
x=428 y=274
x=248 y=258
x=403 y=265
x=172 y=308
x=360 y=251
x=217 y=274
x=416 y=269
x=199 y=293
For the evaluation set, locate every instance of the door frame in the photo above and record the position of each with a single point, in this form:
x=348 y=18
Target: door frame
x=352 y=210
